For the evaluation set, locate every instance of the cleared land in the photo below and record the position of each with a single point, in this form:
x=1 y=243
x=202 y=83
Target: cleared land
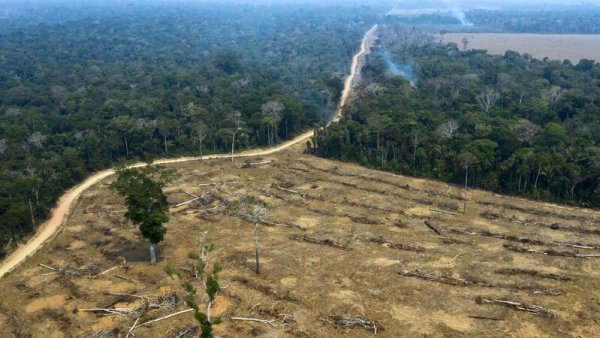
x=553 y=46
x=341 y=241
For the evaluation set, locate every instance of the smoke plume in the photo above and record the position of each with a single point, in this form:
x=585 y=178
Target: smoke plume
x=406 y=70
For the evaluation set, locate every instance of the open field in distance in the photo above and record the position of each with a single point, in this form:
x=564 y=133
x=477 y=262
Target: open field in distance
x=553 y=46
x=341 y=240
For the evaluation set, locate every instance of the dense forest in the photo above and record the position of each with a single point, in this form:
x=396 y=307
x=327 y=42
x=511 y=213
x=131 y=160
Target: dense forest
x=145 y=82
x=520 y=125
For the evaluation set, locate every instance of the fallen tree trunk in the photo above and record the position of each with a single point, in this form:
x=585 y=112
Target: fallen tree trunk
x=535 y=310
x=549 y=252
x=533 y=273
x=327 y=242
x=532 y=288
x=397 y=246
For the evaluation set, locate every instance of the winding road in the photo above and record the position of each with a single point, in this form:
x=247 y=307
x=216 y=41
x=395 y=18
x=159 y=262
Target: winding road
x=61 y=213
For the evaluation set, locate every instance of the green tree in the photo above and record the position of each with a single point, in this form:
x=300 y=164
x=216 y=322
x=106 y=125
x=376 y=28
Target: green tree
x=146 y=203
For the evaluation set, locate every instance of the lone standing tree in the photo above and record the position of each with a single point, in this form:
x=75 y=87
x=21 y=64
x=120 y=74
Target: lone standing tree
x=253 y=210
x=146 y=203
x=467 y=160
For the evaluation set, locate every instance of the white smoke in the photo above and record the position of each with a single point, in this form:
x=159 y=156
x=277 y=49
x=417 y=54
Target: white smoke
x=457 y=12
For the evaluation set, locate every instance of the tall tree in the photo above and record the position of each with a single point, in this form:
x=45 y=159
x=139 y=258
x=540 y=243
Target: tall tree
x=466 y=160
x=146 y=203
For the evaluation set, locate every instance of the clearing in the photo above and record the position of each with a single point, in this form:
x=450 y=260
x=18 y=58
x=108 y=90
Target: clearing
x=573 y=47
x=342 y=240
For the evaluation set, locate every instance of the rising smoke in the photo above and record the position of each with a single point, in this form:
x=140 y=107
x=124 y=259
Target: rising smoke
x=404 y=70
x=457 y=12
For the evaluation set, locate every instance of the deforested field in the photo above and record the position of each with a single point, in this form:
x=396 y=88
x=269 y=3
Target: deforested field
x=553 y=46
x=346 y=251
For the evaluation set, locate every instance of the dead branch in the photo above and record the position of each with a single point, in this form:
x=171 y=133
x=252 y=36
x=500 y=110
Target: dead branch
x=130 y=332
x=181 y=332
x=432 y=227
x=111 y=269
x=519 y=306
x=398 y=246
x=245 y=165
x=190 y=194
x=123 y=278
x=327 y=242
x=352 y=322
x=187 y=202
x=165 y=317
x=133 y=312
x=269 y=322
x=485 y=318
x=285 y=225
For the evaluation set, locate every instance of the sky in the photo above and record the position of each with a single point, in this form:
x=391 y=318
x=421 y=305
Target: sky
x=465 y=4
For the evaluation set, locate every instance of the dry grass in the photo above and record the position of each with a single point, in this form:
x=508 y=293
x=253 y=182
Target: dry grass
x=358 y=257
x=553 y=46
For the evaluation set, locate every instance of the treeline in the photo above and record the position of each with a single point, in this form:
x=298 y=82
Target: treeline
x=153 y=82
x=524 y=126
x=568 y=21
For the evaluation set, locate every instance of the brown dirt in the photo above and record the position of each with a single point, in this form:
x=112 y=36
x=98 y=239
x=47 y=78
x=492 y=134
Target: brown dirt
x=302 y=282
x=554 y=46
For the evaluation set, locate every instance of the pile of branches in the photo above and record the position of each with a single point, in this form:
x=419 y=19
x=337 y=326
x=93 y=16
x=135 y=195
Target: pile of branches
x=91 y=269
x=353 y=322
x=165 y=301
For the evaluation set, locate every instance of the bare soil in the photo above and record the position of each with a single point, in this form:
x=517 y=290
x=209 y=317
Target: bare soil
x=341 y=242
x=573 y=47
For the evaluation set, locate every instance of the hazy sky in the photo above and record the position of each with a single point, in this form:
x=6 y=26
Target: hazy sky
x=409 y=3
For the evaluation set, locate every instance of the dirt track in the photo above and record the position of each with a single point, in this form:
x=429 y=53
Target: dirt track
x=62 y=211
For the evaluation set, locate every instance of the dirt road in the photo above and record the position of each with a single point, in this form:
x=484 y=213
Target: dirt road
x=61 y=212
